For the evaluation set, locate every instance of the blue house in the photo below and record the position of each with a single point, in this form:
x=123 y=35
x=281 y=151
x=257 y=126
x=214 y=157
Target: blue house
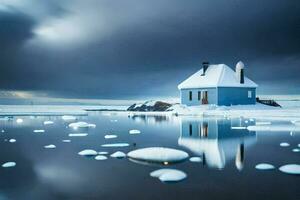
x=219 y=85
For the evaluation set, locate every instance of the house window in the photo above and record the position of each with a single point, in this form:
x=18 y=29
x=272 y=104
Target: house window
x=199 y=95
x=190 y=129
x=249 y=94
x=190 y=95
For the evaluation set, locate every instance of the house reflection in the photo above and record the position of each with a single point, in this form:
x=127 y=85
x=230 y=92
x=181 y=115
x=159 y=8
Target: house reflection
x=217 y=141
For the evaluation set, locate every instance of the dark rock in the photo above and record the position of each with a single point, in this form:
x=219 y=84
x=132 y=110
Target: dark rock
x=150 y=106
x=268 y=102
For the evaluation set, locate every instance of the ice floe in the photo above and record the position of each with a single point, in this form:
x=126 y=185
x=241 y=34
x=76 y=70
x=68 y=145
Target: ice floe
x=2 y=131
x=88 y=152
x=264 y=166
x=113 y=120
x=290 y=169
x=48 y=122
x=158 y=154
x=78 y=134
x=296 y=150
x=68 y=117
x=19 y=120
x=115 y=145
x=100 y=157
x=39 y=131
x=169 y=175
x=284 y=144
x=110 y=136
x=12 y=140
x=9 y=164
x=195 y=159
x=50 y=146
x=77 y=125
x=118 y=154
x=134 y=131
x=66 y=141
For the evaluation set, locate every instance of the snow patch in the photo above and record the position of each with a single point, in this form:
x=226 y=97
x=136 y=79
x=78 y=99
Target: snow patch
x=78 y=134
x=195 y=159
x=77 y=125
x=39 y=131
x=158 y=154
x=169 y=175
x=68 y=117
x=284 y=144
x=115 y=145
x=12 y=140
x=264 y=166
x=118 y=154
x=110 y=136
x=134 y=131
x=50 y=146
x=290 y=169
x=19 y=120
x=100 y=157
x=88 y=152
x=48 y=122
x=9 y=164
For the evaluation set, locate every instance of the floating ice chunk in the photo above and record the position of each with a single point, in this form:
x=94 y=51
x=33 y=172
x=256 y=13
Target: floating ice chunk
x=298 y=145
x=100 y=157
x=290 y=169
x=264 y=166
x=102 y=152
x=134 y=131
x=12 y=140
x=118 y=154
x=238 y=127
x=296 y=150
x=50 y=146
x=68 y=118
x=115 y=145
x=19 y=120
x=110 y=136
x=2 y=131
x=9 y=164
x=66 y=141
x=246 y=121
x=39 y=131
x=78 y=134
x=48 y=122
x=113 y=120
x=169 y=175
x=158 y=154
x=284 y=144
x=77 y=125
x=88 y=152
x=195 y=159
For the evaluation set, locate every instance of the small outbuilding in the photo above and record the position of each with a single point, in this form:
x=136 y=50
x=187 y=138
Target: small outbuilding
x=219 y=85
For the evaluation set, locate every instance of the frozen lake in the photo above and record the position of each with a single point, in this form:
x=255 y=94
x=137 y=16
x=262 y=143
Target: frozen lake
x=225 y=154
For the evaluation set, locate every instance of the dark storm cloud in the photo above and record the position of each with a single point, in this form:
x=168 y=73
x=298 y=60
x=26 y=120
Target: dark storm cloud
x=140 y=48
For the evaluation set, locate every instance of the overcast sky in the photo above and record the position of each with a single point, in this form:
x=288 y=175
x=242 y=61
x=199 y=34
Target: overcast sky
x=130 y=49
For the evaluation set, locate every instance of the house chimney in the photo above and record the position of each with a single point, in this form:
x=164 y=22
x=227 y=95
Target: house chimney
x=205 y=66
x=239 y=71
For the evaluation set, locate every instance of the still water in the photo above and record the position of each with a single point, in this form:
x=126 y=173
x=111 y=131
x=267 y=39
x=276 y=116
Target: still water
x=227 y=171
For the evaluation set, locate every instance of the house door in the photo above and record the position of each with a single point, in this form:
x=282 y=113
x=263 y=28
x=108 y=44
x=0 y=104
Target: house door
x=204 y=97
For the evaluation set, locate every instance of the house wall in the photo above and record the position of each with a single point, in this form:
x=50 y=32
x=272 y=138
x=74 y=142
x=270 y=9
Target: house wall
x=184 y=96
x=220 y=96
x=235 y=96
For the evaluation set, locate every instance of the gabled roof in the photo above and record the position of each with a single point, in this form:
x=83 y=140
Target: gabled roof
x=215 y=76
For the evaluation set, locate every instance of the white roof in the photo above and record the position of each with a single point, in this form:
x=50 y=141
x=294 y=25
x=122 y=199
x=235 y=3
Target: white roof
x=215 y=76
